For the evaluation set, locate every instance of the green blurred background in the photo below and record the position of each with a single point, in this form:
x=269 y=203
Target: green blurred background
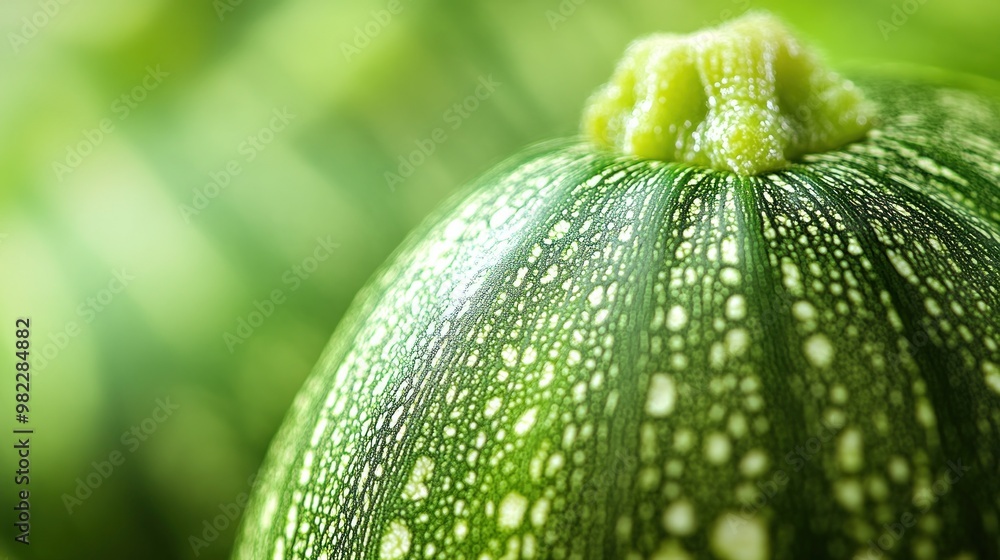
x=187 y=93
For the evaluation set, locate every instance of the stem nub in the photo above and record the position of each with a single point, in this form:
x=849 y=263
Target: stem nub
x=746 y=97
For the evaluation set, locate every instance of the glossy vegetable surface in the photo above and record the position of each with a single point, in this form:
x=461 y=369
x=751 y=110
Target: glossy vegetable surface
x=590 y=356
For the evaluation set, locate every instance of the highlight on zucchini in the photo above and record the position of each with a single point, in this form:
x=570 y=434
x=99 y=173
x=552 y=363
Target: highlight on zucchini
x=780 y=343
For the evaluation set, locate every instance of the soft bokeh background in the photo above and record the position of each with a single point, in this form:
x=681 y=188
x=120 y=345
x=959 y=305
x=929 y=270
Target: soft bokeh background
x=220 y=71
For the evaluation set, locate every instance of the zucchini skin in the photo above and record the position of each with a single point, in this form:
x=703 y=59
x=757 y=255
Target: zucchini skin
x=591 y=356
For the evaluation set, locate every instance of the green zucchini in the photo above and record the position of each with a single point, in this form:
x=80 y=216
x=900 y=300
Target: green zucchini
x=592 y=354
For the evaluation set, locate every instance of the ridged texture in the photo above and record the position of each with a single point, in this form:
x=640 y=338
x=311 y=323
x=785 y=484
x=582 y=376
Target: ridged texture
x=745 y=97
x=590 y=357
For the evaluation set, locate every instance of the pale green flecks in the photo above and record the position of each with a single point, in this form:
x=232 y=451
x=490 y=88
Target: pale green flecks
x=730 y=253
x=818 y=350
x=670 y=550
x=736 y=342
x=679 y=518
x=416 y=486
x=596 y=296
x=737 y=425
x=395 y=541
x=307 y=461
x=492 y=407
x=738 y=537
x=662 y=395
x=804 y=311
x=509 y=355
x=850 y=450
x=730 y=276
x=279 y=549
x=511 y=510
x=526 y=421
x=754 y=463
x=684 y=440
x=933 y=307
x=925 y=413
x=649 y=479
x=992 y=373
x=736 y=307
x=540 y=512
x=745 y=97
x=267 y=513
x=717 y=448
x=548 y=374
x=291 y=521
x=898 y=469
x=834 y=417
x=792 y=278
x=676 y=318
x=850 y=494
x=529 y=356
x=555 y=463
x=902 y=266
x=644 y=350
x=461 y=529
